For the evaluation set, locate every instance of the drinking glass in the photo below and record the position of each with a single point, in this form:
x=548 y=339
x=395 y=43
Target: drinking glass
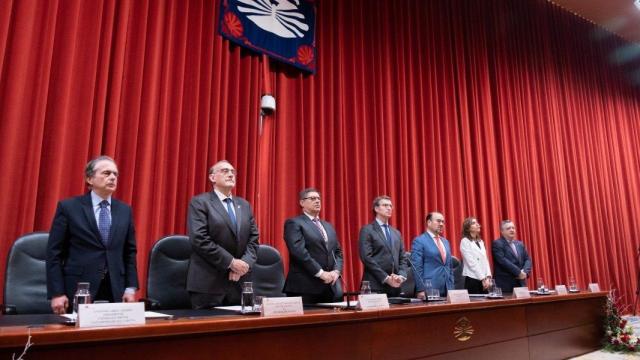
x=247 y=297
x=365 y=288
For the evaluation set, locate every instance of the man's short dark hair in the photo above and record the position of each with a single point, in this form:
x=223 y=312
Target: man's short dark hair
x=376 y=202
x=90 y=169
x=430 y=216
x=303 y=194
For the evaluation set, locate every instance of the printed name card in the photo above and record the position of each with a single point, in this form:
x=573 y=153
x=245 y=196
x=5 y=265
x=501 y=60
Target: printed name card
x=110 y=314
x=594 y=287
x=521 y=292
x=561 y=290
x=373 y=302
x=458 y=296
x=278 y=306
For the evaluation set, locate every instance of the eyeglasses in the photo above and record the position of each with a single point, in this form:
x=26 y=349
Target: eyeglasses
x=226 y=171
x=312 y=198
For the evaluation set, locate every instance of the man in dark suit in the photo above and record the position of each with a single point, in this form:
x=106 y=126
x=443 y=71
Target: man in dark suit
x=382 y=251
x=511 y=262
x=92 y=239
x=315 y=256
x=224 y=239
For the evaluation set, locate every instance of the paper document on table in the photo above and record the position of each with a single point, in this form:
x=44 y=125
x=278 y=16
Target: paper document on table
x=147 y=315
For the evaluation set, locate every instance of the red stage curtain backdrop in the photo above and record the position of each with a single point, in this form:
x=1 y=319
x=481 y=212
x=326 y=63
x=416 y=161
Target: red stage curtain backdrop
x=500 y=109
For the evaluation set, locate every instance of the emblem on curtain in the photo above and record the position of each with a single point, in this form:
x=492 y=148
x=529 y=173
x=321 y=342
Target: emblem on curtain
x=282 y=29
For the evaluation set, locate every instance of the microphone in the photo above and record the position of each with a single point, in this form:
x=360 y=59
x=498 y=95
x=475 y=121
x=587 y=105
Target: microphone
x=343 y=286
x=415 y=273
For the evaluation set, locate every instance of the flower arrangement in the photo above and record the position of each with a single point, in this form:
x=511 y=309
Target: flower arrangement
x=619 y=334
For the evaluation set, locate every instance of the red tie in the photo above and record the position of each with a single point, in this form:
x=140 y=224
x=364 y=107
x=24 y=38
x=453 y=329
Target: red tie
x=443 y=254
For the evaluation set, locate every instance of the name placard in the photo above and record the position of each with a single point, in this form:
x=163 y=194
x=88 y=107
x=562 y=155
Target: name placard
x=458 y=296
x=110 y=314
x=279 y=306
x=373 y=302
x=561 y=290
x=521 y=292
x=594 y=287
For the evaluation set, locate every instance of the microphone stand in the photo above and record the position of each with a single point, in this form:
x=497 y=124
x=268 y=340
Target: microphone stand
x=417 y=276
x=345 y=294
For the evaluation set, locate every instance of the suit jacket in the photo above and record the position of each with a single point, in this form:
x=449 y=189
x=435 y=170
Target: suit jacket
x=76 y=253
x=308 y=254
x=506 y=266
x=378 y=258
x=428 y=264
x=215 y=242
x=474 y=259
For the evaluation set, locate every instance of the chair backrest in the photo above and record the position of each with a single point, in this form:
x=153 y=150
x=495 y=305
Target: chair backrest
x=167 y=275
x=458 y=279
x=268 y=273
x=25 y=279
x=409 y=286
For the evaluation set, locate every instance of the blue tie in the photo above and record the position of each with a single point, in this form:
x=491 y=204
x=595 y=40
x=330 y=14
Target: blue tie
x=104 y=221
x=232 y=215
x=388 y=234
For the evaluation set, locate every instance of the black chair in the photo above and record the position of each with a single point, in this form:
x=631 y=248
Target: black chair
x=408 y=287
x=25 y=279
x=458 y=279
x=167 y=275
x=268 y=273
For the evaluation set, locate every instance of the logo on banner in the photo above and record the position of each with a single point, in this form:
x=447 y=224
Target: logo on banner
x=282 y=29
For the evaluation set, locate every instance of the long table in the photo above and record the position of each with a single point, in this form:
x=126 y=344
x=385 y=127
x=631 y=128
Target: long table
x=544 y=327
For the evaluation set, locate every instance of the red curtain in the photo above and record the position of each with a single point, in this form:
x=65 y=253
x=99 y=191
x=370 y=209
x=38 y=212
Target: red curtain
x=500 y=109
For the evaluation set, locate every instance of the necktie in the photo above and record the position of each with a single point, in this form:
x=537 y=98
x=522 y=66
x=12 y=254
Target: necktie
x=104 y=221
x=513 y=248
x=232 y=215
x=316 y=221
x=388 y=235
x=443 y=254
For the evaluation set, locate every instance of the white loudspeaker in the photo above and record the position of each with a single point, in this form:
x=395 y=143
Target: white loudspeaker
x=268 y=104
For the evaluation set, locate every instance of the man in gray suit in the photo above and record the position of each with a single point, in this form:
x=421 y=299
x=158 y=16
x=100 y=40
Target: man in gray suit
x=224 y=239
x=382 y=251
x=315 y=256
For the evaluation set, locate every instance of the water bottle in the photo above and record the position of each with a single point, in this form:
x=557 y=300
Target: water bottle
x=247 y=297
x=82 y=296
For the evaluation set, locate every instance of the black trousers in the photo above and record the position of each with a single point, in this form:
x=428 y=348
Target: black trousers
x=230 y=295
x=104 y=291
x=324 y=297
x=474 y=286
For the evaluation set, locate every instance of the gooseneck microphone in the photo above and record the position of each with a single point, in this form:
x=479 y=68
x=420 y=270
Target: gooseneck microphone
x=415 y=273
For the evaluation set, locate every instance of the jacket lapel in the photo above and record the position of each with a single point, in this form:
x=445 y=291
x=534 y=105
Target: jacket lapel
x=222 y=211
x=432 y=243
x=115 y=220
x=87 y=209
x=382 y=237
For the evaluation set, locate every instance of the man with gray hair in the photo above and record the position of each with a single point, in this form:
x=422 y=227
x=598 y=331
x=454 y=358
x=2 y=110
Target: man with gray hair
x=224 y=239
x=92 y=239
x=511 y=262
